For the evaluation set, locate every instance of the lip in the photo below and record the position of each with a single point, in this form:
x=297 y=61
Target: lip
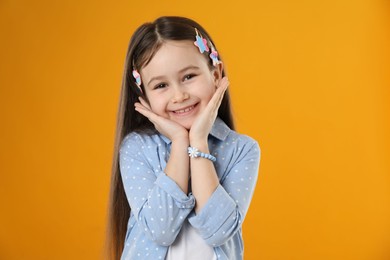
x=185 y=111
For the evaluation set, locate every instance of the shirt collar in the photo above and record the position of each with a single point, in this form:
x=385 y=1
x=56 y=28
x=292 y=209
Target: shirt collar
x=219 y=130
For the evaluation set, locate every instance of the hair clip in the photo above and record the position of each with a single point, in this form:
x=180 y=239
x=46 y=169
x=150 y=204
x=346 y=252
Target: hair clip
x=201 y=43
x=214 y=56
x=137 y=78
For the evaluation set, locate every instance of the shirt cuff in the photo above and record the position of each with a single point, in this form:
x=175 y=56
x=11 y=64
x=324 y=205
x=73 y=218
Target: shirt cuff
x=220 y=204
x=170 y=186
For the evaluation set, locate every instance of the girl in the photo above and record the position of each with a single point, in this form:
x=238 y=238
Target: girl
x=182 y=179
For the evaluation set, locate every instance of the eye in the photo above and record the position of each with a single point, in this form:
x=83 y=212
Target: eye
x=189 y=76
x=160 y=85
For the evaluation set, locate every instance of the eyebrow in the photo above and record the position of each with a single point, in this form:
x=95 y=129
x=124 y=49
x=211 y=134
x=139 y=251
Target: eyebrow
x=180 y=71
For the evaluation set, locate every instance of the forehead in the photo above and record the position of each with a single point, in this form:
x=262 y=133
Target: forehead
x=173 y=56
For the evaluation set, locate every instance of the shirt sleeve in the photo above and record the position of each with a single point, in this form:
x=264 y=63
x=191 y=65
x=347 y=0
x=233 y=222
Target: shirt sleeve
x=223 y=214
x=157 y=202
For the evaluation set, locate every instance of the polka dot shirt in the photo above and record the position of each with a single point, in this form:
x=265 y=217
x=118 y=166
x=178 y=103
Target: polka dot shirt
x=159 y=207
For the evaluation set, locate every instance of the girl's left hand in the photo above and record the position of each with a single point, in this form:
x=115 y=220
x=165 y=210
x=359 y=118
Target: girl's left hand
x=202 y=125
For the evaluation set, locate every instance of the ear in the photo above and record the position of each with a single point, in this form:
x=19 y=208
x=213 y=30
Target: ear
x=217 y=73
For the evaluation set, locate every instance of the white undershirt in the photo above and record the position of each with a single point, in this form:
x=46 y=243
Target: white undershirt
x=190 y=245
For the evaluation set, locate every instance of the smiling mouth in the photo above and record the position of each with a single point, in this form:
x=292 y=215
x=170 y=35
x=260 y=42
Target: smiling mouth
x=184 y=110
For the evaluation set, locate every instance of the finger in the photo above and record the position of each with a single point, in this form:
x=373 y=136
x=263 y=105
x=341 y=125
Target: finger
x=144 y=103
x=141 y=106
x=224 y=81
x=141 y=109
x=146 y=112
x=215 y=101
x=218 y=95
x=153 y=117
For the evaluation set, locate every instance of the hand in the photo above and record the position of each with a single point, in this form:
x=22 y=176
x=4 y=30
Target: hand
x=167 y=127
x=202 y=125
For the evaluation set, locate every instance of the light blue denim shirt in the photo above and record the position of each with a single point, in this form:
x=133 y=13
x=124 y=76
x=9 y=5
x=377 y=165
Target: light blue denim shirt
x=159 y=207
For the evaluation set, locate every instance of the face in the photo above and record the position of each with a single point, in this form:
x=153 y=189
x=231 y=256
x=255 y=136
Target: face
x=178 y=82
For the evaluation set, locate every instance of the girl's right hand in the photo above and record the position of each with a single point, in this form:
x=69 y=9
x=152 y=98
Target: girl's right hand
x=168 y=128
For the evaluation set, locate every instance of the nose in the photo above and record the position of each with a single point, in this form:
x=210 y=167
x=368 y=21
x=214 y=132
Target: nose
x=179 y=95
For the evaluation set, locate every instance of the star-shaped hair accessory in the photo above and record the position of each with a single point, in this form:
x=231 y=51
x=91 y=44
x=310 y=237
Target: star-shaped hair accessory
x=201 y=43
x=214 y=57
x=137 y=77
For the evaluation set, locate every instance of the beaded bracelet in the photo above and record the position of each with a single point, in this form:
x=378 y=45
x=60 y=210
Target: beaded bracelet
x=194 y=152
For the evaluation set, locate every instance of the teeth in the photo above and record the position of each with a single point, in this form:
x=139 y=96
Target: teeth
x=184 y=110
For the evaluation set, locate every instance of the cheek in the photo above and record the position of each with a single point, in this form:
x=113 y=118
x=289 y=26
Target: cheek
x=157 y=105
x=209 y=92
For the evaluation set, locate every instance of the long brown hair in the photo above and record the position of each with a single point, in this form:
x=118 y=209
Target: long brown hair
x=144 y=43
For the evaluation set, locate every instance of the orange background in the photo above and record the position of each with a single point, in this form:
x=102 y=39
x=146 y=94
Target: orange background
x=309 y=81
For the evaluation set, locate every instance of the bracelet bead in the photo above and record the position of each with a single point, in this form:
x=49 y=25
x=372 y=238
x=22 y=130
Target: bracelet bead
x=194 y=153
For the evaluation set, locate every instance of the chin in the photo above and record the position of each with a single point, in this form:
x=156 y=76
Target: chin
x=186 y=125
